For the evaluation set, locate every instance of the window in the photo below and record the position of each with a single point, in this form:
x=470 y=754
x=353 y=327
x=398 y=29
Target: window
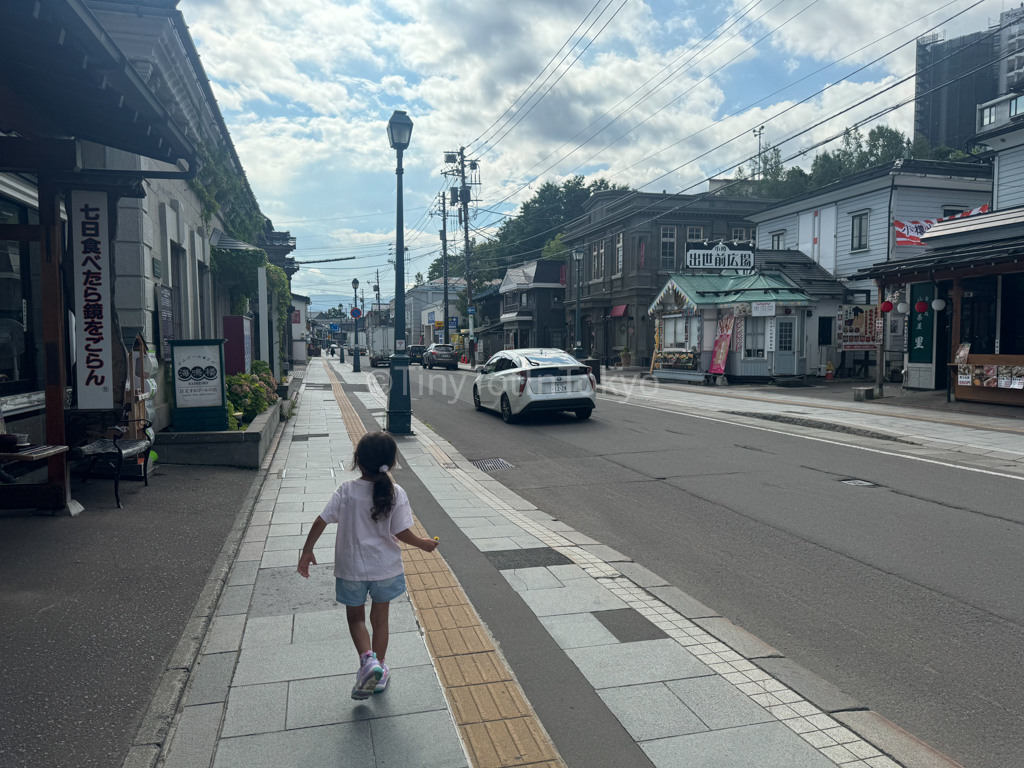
x=978 y=314
x=988 y=116
x=21 y=319
x=681 y=332
x=826 y=337
x=694 y=233
x=618 y=254
x=753 y=336
x=668 y=248
x=600 y=259
x=785 y=340
x=1011 y=331
x=947 y=212
x=1017 y=106
x=779 y=240
x=742 y=233
x=859 y=231
x=179 y=291
x=522 y=299
x=597 y=261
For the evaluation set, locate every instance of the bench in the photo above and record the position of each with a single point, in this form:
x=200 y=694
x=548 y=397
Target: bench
x=87 y=434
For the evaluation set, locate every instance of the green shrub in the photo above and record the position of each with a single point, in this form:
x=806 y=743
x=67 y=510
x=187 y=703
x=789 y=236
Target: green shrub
x=251 y=394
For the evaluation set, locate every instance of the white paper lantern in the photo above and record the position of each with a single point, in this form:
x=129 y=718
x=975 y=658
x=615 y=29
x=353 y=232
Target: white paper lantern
x=903 y=307
x=939 y=304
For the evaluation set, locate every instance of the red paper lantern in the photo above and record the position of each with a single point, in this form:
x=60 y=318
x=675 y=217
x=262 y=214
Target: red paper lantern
x=921 y=307
x=887 y=306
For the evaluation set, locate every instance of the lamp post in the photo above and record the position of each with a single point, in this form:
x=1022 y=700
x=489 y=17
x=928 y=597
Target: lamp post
x=399 y=397
x=577 y=256
x=355 y=328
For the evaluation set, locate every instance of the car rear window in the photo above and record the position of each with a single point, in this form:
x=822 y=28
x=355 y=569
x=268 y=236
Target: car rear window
x=552 y=360
x=444 y=348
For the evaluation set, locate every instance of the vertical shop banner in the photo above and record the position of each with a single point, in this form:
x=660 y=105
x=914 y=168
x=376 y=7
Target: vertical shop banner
x=90 y=248
x=721 y=351
x=859 y=327
x=921 y=323
x=769 y=335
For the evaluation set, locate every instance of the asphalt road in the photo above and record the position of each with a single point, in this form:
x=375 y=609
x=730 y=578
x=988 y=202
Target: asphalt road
x=91 y=608
x=908 y=595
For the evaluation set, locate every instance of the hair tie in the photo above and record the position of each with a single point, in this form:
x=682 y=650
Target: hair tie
x=384 y=469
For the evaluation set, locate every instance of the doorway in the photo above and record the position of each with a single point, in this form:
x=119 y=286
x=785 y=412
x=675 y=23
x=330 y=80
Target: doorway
x=785 y=347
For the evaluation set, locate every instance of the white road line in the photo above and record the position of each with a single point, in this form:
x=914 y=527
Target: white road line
x=820 y=440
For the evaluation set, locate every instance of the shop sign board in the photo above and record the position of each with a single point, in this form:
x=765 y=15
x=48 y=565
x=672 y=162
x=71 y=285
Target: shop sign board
x=453 y=323
x=90 y=246
x=762 y=308
x=165 y=298
x=769 y=335
x=858 y=327
x=922 y=323
x=722 y=341
x=719 y=257
x=200 y=398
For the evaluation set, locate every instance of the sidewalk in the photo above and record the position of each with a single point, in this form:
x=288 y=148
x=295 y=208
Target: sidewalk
x=995 y=442
x=271 y=688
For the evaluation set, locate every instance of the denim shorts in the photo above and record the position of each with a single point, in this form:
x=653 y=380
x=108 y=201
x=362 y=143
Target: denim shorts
x=354 y=593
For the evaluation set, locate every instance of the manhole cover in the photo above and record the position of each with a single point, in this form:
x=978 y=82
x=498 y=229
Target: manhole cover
x=492 y=465
x=862 y=483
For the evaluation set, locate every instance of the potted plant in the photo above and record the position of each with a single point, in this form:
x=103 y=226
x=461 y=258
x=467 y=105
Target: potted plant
x=626 y=357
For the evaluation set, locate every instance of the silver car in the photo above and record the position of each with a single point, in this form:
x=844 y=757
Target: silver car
x=519 y=381
x=442 y=355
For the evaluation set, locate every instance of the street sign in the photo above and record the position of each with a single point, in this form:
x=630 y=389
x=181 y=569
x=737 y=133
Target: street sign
x=335 y=327
x=356 y=313
x=471 y=310
x=453 y=323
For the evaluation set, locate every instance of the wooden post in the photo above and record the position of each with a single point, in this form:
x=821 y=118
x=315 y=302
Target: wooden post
x=51 y=257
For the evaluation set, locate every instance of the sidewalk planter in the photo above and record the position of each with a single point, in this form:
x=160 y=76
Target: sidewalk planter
x=230 y=448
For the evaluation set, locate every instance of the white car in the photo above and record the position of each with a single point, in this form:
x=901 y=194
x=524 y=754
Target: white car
x=519 y=381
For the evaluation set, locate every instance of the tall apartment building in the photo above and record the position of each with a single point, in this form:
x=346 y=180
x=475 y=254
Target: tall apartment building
x=955 y=75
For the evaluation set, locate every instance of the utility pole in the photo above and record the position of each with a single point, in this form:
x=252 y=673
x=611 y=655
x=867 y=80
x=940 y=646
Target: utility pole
x=444 y=261
x=464 y=197
x=759 y=171
x=380 y=313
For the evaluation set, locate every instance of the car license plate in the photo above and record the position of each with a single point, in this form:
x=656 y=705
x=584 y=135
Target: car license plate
x=559 y=388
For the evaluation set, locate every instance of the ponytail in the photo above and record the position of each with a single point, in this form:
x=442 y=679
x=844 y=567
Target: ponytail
x=375 y=456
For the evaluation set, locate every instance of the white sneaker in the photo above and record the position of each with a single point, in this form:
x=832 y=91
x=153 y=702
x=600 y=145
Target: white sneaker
x=369 y=674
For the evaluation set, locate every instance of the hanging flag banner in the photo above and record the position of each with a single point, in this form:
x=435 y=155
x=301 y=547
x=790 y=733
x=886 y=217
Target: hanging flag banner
x=90 y=247
x=721 y=351
x=911 y=232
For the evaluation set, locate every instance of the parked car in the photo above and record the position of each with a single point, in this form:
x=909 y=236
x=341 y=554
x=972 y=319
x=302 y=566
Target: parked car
x=519 y=381
x=380 y=357
x=441 y=355
x=415 y=352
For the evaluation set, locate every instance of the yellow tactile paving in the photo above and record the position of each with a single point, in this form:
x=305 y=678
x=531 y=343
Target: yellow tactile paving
x=485 y=703
x=494 y=718
x=502 y=743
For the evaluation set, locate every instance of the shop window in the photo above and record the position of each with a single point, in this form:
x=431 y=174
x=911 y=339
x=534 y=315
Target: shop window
x=21 y=362
x=1011 y=324
x=779 y=240
x=753 y=336
x=859 y=231
x=826 y=335
x=978 y=315
x=668 y=249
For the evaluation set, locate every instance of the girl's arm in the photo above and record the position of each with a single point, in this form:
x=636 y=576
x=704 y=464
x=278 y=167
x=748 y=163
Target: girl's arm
x=307 y=558
x=410 y=538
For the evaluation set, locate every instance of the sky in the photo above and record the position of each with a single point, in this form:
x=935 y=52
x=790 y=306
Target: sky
x=656 y=94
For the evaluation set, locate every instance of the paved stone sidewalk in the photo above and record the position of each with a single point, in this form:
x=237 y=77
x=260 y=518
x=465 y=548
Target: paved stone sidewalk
x=996 y=439
x=272 y=685
x=655 y=656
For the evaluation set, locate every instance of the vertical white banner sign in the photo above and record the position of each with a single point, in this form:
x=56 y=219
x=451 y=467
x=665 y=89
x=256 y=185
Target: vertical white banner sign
x=769 y=334
x=89 y=244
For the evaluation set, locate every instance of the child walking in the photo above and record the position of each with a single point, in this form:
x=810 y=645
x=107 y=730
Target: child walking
x=373 y=515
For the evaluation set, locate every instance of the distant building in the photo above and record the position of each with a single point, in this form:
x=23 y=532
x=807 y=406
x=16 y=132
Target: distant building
x=945 y=95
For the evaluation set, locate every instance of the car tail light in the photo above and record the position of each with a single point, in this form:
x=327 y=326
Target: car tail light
x=523 y=376
x=593 y=381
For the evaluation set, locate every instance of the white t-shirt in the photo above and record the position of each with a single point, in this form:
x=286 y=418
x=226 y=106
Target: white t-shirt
x=365 y=550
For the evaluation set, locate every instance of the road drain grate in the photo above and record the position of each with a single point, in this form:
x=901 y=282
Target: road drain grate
x=492 y=465
x=861 y=483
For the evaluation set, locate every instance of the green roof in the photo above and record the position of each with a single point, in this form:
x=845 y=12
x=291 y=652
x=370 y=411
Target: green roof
x=705 y=290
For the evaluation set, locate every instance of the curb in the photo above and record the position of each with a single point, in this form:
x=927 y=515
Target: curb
x=158 y=724
x=829 y=426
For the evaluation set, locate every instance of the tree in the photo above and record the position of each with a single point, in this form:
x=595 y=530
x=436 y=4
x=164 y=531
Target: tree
x=419 y=278
x=554 y=249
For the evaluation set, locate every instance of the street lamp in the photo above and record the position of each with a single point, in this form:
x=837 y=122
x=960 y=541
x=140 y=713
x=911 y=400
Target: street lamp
x=577 y=256
x=355 y=328
x=399 y=397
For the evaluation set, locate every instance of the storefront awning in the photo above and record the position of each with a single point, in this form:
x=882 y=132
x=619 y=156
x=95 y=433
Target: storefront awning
x=942 y=262
x=619 y=310
x=62 y=76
